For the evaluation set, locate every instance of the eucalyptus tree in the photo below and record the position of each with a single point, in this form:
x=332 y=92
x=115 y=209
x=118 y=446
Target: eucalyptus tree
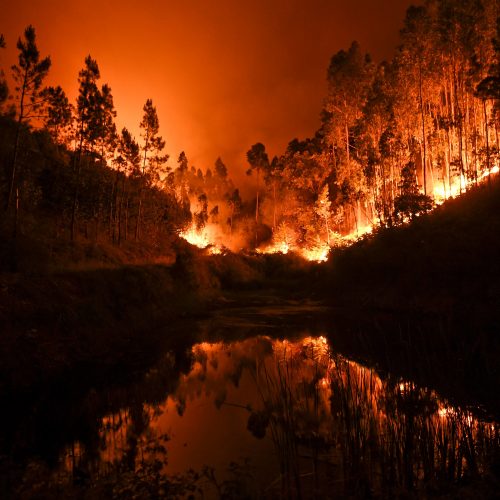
x=181 y=175
x=220 y=182
x=181 y=182
x=201 y=215
x=377 y=142
x=460 y=25
x=322 y=208
x=418 y=51
x=234 y=203
x=28 y=76
x=349 y=77
x=220 y=169
x=489 y=89
x=215 y=183
x=272 y=177
x=258 y=160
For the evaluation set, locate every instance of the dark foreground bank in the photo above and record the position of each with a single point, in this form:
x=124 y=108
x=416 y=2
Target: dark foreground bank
x=421 y=300
x=424 y=299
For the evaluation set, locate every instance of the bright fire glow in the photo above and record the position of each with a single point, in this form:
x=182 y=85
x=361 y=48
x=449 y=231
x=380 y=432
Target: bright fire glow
x=459 y=184
x=195 y=237
x=285 y=241
x=357 y=234
x=204 y=238
x=312 y=254
x=317 y=254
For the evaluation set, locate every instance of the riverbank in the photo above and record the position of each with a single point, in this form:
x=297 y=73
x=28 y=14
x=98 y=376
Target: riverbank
x=90 y=324
x=423 y=300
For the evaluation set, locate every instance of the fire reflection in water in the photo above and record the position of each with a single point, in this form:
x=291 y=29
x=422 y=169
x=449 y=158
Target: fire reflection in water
x=280 y=418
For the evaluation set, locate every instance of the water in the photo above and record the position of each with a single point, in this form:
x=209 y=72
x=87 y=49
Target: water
x=261 y=417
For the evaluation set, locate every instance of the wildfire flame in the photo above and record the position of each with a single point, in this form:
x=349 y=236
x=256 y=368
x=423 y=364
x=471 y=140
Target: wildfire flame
x=285 y=241
x=204 y=238
x=317 y=254
x=458 y=185
x=195 y=237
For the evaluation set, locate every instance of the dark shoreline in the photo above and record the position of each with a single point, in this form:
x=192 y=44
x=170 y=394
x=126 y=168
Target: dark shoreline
x=421 y=300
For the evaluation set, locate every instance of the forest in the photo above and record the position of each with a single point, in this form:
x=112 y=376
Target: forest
x=396 y=139
x=336 y=306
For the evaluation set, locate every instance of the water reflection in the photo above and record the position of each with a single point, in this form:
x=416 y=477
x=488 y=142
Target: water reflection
x=277 y=418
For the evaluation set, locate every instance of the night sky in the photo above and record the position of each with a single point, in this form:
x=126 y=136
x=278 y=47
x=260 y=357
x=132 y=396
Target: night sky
x=223 y=74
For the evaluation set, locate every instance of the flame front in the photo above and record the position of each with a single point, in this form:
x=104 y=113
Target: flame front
x=205 y=238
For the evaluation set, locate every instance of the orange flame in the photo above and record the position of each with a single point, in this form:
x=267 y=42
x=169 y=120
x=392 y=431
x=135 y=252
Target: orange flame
x=205 y=238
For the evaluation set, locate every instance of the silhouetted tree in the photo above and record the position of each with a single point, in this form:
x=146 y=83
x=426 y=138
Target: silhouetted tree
x=258 y=160
x=234 y=203
x=322 y=208
x=153 y=160
x=28 y=76
x=410 y=202
x=201 y=216
x=59 y=113
x=4 y=89
x=220 y=168
x=86 y=133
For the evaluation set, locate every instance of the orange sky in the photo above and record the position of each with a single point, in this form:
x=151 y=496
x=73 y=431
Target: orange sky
x=224 y=74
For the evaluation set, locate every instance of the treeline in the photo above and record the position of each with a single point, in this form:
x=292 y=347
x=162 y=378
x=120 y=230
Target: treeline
x=66 y=171
x=395 y=137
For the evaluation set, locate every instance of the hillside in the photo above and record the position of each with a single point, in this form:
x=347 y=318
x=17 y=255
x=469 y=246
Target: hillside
x=424 y=299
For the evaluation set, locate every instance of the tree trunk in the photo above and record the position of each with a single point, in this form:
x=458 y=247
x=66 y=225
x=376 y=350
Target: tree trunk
x=459 y=118
x=422 y=115
x=16 y=143
x=486 y=134
x=12 y=182
x=126 y=217
x=138 y=220
x=257 y=199
x=74 y=207
x=348 y=153
x=257 y=212
x=274 y=206
x=384 y=193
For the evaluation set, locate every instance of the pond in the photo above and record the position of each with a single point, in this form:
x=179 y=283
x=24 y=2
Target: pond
x=266 y=416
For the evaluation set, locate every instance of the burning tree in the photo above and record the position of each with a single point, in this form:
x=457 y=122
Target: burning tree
x=322 y=208
x=410 y=203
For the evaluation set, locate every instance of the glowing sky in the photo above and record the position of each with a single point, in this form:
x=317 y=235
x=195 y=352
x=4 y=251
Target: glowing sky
x=224 y=74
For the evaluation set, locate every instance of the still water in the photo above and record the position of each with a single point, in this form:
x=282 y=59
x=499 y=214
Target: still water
x=264 y=417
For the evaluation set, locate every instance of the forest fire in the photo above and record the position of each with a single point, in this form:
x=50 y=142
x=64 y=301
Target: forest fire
x=204 y=238
x=459 y=184
x=141 y=242
x=195 y=237
x=317 y=254
x=312 y=254
x=315 y=195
